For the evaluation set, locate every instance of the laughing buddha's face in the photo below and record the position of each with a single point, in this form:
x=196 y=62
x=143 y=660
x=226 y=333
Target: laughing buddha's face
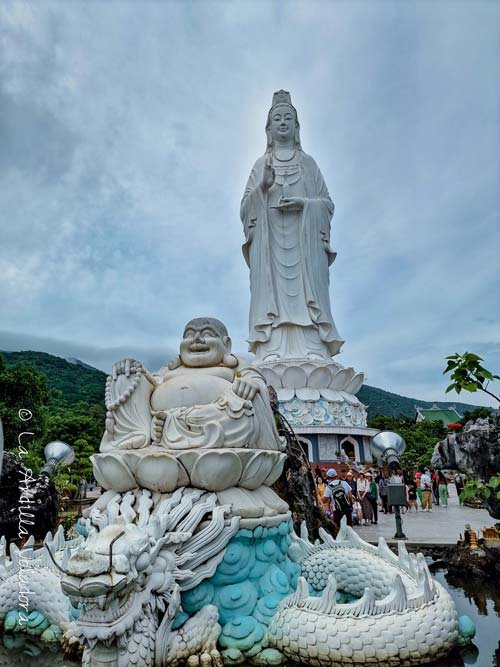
x=204 y=344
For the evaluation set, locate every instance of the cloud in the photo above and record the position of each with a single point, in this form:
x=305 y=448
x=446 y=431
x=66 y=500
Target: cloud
x=128 y=137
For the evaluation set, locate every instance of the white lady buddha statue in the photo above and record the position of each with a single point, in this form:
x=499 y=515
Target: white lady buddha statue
x=286 y=212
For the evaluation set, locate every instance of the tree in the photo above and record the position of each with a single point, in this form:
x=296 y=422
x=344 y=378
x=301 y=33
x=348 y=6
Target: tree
x=472 y=415
x=468 y=374
x=71 y=426
x=22 y=388
x=420 y=437
x=82 y=465
x=488 y=492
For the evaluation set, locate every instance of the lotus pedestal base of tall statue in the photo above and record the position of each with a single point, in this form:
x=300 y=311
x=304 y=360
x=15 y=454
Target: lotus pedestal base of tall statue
x=318 y=399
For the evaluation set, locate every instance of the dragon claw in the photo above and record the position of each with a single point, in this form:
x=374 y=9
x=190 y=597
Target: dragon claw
x=206 y=659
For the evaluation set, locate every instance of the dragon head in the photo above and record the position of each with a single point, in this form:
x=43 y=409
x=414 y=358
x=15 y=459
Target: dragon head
x=118 y=572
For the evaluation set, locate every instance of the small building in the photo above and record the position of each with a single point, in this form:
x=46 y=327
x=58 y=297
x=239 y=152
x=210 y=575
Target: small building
x=448 y=415
x=327 y=445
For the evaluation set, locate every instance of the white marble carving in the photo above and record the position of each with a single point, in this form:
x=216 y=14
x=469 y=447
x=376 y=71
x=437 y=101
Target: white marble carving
x=323 y=413
x=286 y=213
x=330 y=381
x=402 y=617
x=202 y=420
x=144 y=549
x=327 y=448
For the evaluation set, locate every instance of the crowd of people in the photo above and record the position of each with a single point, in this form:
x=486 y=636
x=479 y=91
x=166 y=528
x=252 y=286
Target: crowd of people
x=360 y=495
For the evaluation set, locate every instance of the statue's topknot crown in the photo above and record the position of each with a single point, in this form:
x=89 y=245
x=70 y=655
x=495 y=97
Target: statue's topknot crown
x=281 y=97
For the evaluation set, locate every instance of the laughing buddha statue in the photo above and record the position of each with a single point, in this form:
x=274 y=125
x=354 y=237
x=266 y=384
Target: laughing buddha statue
x=204 y=399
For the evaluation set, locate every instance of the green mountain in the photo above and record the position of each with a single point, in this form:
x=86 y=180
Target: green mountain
x=381 y=402
x=75 y=382
x=72 y=381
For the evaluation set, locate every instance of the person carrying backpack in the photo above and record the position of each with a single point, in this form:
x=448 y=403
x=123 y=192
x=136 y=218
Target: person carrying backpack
x=339 y=494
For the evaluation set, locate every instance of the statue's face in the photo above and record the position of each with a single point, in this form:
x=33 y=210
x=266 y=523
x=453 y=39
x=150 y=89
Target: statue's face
x=203 y=346
x=282 y=124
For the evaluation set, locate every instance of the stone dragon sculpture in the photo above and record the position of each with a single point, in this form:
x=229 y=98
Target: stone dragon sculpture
x=141 y=552
x=141 y=577
x=400 y=615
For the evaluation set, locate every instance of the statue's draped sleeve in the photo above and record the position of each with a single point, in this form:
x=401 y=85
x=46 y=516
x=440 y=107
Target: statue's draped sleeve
x=253 y=207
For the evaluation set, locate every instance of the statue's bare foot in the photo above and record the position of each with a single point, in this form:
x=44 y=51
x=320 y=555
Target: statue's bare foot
x=271 y=357
x=314 y=356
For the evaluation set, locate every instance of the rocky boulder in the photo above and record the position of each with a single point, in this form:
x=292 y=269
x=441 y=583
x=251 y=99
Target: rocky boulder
x=40 y=514
x=474 y=451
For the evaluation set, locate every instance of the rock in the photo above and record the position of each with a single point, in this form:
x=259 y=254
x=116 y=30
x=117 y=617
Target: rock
x=44 y=503
x=483 y=562
x=296 y=484
x=474 y=451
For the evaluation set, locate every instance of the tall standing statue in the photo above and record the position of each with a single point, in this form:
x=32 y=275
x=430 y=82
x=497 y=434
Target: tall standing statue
x=286 y=212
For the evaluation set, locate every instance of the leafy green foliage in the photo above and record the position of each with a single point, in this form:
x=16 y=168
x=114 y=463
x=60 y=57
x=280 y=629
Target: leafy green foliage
x=22 y=388
x=420 y=437
x=472 y=415
x=468 y=374
x=82 y=466
x=481 y=490
x=72 y=425
x=65 y=485
x=70 y=383
x=67 y=403
x=68 y=522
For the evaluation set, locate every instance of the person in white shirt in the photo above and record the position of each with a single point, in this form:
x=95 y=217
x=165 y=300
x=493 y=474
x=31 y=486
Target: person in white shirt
x=363 y=489
x=426 y=486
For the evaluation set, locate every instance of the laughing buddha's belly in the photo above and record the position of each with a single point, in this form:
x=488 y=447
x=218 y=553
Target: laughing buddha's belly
x=187 y=391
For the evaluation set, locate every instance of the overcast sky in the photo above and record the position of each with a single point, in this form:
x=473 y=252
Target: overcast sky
x=127 y=133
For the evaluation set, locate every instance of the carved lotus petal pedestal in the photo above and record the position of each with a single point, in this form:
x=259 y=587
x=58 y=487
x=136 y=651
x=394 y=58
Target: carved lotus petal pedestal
x=314 y=393
x=317 y=398
x=164 y=471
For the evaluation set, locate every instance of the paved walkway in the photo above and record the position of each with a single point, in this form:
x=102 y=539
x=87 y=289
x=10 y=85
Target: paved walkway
x=441 y=526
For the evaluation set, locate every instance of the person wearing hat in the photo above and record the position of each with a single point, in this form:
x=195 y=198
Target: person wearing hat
x=339 y=494
x=352 y=481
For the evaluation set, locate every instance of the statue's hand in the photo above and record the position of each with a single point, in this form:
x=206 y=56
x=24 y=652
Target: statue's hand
x=245 y=389
x=125 y=367
x=268 y=174
x=291 y=203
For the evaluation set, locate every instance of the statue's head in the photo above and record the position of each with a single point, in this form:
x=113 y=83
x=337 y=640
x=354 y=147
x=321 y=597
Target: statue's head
x=282 y=121
x=205 y=343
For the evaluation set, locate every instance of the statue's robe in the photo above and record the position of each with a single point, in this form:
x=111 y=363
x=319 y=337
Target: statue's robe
x=289 y=255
